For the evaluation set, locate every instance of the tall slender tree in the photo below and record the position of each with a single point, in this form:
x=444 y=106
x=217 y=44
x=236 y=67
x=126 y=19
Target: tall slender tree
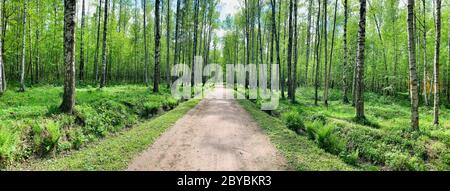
x=425 y=91
x=22 y=67
x=81 y=72
x=104 y=47
x=345 y=67
x=2 y=87
x=325 y=36
x=69 y=56
x=144 y=26
x=168 y=45
x=436 y=63
x=97 y=46
x=289 y=51
x=317 y=52
x=157 y=74
x=308 y=40
x=359 y=101
x=412 y=67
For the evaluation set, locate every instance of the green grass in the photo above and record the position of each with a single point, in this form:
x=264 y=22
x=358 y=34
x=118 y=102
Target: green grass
x=385 y=142
x=300 y=153
x=32 y=127
x=115 y=152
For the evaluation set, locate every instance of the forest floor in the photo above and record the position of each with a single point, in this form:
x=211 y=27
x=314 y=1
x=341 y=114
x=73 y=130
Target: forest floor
x=218 y=134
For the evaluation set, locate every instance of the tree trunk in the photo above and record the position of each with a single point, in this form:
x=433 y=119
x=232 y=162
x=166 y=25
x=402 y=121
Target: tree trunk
x=2 y=46
x=275 y=35
x=325 y=35
x=145 y=42
x=81 y=72
x=359 y=102
x=295 y=49
x=316 y=81
x=332 y=46
x=289 y=51
x=412 y=68
x=69 y=56
x=194 y=48
x=97 y=47
x=425 y=91
x=157 y=47
x=436 y=63
x=345 y=67
x=308 y=40
x=2 y=89
x=38 y=57
x=22 y=68
x=168 y=81
x=177 y=29
x=105 y=32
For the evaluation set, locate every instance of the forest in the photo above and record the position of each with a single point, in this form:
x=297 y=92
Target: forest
x=364 y=84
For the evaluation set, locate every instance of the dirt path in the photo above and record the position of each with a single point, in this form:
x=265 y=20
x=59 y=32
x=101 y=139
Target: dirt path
x=218 y=134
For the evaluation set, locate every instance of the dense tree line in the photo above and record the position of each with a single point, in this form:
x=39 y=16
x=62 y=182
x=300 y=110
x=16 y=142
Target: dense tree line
x=357 y=46
x=383 y=46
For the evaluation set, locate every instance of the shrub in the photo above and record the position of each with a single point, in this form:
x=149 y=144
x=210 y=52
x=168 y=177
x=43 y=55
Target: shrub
x=319 y=118
x=77 y=138
x=294 y=122
x=151 y=109
x=399 y=161
x=46 y=136
x=330 y=141
x=8 y=142
x=170 y=103
x=91 y=121
x=350 y=158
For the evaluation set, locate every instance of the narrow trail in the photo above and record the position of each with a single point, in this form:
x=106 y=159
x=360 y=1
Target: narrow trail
x=218 y=134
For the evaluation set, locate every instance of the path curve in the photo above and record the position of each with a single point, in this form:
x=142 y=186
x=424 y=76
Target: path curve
x=217 y=135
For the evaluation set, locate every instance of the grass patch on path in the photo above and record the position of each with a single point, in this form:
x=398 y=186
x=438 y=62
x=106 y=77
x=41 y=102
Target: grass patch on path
x=115 y=153
x=301 y=154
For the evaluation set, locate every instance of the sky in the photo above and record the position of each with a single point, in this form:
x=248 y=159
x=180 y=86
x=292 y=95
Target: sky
x=227 y=7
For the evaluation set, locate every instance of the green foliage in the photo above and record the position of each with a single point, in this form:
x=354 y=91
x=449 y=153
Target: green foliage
x=151 y=108
x=294 y=122
x=46 y=135
x=8 y=144
x=30 y=122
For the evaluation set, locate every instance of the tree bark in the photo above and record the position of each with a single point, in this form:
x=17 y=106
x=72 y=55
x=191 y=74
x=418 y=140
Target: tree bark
x=157 y=47
x=145 y=42
x=332 y=46
x=295 y=49
x=412 y=68
x=425 y=91
x=359 y=102
x=316 y=81
x=69 y=56
x=22 y=67
x=2 y=89
x=105 y=32
x=345 y=67
x=168 y=81
x=308 y=40
x=97 y=47
x=81 y=72
x=289 y=51
x=436 y=63
x=325 y=35
x=194 y=48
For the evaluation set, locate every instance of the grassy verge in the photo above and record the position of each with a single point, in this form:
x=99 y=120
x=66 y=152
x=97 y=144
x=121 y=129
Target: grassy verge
x=114 y=153
x=31 y=127
x=300 y=153
x=385 y=142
